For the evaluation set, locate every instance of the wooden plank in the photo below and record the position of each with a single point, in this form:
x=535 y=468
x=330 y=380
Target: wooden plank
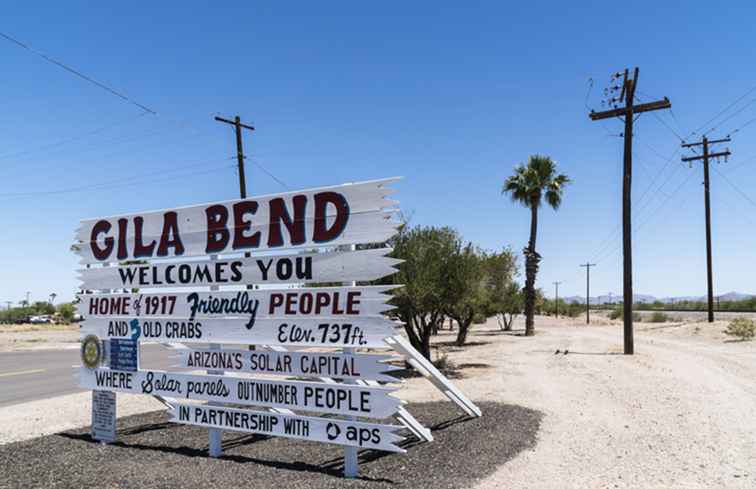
x=368 y=402
x=326 y=430
x=335 y=266
x=261 y=304
x=330 y=216
x=429 y=371
x=363 y=332
x=292 y=364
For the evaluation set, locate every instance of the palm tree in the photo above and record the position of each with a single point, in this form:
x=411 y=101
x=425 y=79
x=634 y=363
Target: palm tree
x=52 y=297
x=528 y=186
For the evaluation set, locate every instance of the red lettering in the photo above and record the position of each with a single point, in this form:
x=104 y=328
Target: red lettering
x=101 y=227
x=279 y=214
x=140 y=249
x=275 y=301
x=353 y=299
x=321 y=232
x=240 y=226
x=170 y=238
x=217 y=234
x=123 y=253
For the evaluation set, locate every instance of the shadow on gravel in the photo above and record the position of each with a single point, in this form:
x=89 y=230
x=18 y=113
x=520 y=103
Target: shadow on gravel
x=452 y=344
x=152 y=453
x=450 y=370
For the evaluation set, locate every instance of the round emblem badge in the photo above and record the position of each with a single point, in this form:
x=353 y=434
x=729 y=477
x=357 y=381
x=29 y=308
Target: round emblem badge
x=91 y=351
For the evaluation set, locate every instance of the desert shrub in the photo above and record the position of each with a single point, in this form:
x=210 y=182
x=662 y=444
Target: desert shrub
x=659 y=317
x=742 y=328
x=618 y=313
x=444 y=364
x=479 y=318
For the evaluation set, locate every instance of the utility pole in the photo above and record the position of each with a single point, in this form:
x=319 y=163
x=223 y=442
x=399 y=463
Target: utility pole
x=8 y=303
x=707 y=206
x=27 y=299
x=588 y=291
x=627 y=95
x=239 y=150
x=215 y=448
x=556 y=299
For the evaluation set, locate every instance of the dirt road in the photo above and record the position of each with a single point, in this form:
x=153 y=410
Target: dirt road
x=680 y=413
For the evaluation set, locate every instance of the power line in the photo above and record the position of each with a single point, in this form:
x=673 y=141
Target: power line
x=118 y=140
x=255 y=162
x=748 y=123
x=649 y=217
x=730 y=117
x=723 y=111
x=121 y=182
x=71 y=139
x=607 y=243
x=77 y=73
x=735 y=187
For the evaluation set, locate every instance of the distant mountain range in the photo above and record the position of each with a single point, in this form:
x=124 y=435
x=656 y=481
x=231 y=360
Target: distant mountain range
x=647 y=299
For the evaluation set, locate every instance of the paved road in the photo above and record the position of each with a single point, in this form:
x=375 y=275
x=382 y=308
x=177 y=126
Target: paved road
x=41 y=374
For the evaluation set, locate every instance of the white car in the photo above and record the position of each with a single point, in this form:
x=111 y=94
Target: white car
x=40 y=319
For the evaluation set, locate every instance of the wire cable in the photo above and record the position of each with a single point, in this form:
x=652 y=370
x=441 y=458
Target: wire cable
x=71 y=139
x=118 y=182
x=735 y=187
x=723 y=111
x=77 y=73
x=265 y=170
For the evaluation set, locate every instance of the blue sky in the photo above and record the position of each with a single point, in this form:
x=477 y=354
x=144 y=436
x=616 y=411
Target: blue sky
x=450 y=95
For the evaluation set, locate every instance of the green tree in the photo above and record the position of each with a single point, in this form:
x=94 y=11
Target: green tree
x=529 y=186
x=464 y=291
x=426 y=252
x=511 y=305
x=504 y=299
x=42 y=307
x=67 y=312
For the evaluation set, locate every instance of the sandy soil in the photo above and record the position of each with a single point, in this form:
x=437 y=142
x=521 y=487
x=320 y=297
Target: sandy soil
x=47 y=416
x=679 y=413
x=38 y=336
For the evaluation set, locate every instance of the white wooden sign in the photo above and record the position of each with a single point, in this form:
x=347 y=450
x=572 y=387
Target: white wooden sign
x=292 y=364
x=337 y=266
x=346 y=302
x=326 y=430
x=104 y=416
x=329 y=216
x=356 y=400
x=364 y=332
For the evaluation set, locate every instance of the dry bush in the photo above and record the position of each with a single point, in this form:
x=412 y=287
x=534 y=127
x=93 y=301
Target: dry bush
x=742 y=328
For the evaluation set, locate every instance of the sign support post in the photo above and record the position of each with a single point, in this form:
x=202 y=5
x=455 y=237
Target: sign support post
x=215 y=436
x=104 y=404
x=351 y=463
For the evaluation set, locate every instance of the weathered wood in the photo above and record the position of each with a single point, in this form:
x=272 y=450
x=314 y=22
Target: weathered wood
x=304 y=268
x=330 y=216
x=368 y=402
x=326 y=430
x=292 y=364
x=282 y=303
x=362 y=332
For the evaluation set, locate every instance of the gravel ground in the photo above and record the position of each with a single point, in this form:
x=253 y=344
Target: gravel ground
x=152 y=453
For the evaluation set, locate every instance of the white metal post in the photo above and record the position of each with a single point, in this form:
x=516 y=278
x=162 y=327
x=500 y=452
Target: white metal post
x=215 y=436
x=351 y=464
